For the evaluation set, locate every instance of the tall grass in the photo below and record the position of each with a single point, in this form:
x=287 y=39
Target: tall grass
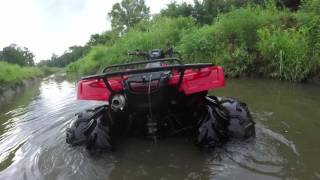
x=287 y=51
x=11 y=73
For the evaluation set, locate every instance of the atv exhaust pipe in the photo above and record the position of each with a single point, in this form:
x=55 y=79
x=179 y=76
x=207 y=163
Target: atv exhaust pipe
x=118 y=102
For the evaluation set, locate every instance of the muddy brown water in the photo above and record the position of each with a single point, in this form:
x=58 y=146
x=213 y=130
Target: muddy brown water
x=287 y=146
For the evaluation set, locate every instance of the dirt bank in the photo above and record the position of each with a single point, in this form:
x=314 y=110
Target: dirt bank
x=7 y=93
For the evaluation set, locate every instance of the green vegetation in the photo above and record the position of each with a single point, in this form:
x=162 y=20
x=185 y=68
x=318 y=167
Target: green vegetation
x=248 y=38
x=76 y=52
x=12 y=73
x=287 y=53
x=71 y=55
x=126 y=14
x=257 y=41
x=17 y=55
x=17 y=63
x=160 y=31
x=123 y=16
x=204 y=12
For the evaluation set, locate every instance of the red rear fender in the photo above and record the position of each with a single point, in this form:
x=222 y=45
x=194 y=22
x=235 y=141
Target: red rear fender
x=96 y=89
x=200 y=80
x=193 y=81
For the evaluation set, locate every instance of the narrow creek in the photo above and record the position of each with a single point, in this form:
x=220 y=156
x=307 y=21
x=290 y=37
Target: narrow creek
x=287 y=146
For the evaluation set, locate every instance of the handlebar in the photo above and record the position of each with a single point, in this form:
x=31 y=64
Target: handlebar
x=105 y=70
x=137 y=53
x=169 y=52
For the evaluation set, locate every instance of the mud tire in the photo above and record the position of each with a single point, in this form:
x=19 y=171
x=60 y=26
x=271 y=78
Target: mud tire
x=223 y=119
x=212 y=128
x=89 y=128
x=241 y=124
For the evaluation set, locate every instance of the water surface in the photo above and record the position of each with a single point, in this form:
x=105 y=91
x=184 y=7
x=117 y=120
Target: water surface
x=32 y=139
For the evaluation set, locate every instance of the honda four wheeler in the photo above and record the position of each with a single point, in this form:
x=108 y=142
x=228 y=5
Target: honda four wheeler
x=158 y=97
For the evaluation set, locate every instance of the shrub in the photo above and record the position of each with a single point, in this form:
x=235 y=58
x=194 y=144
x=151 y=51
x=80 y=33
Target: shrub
x=198 y=45
x=231 y=40
x=287 y=50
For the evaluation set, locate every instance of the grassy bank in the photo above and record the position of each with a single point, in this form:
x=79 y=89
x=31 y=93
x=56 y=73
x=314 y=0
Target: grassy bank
x=256 y=40
x=11 y=74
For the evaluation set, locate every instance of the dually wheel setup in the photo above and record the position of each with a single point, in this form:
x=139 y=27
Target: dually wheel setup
x=215 y=121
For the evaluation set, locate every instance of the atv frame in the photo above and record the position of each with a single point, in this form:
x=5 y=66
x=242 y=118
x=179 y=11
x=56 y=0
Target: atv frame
x=156 y=101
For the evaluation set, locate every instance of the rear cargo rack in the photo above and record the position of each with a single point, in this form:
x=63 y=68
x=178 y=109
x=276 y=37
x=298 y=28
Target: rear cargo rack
x=151 y=69
x=180 y=68
x=142 y=62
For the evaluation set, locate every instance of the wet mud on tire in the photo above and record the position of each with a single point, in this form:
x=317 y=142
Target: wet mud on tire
x=218 y=121
x=224 y=119
x=89 y=129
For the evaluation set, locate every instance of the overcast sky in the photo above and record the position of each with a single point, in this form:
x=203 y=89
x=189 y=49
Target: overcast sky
x=51 y=26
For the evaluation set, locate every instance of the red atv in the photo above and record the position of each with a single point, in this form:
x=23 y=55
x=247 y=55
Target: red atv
x=158 y=97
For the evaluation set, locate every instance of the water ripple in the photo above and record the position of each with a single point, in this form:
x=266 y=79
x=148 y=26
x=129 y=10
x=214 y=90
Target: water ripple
x=32 y=146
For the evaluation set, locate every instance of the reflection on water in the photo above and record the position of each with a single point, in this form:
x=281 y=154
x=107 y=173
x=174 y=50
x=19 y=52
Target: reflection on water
x=32 y=139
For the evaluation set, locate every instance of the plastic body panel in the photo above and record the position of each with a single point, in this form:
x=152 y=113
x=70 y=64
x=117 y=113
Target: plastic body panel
x=194 y=81
x=204 y=79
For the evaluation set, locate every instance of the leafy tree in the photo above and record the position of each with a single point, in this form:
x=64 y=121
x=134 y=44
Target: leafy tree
x=203 y=11
x=76 y=52
x=106 y=38
x=17 y=55
x=206 y=10
x=128 y=13
x=175 y=10
x=72 y=54
x=291 y=4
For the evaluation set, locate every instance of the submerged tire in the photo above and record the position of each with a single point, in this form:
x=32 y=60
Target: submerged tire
x=89 y=128
x=241 y=124
x=212 y=129
x=223 y=119
x=100 y=136
x=75 y=133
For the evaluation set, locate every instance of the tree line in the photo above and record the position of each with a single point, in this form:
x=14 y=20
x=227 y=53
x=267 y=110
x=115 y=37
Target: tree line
x=76 y=52
x=132 y=13
x=15 y=54
x=204 y=12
